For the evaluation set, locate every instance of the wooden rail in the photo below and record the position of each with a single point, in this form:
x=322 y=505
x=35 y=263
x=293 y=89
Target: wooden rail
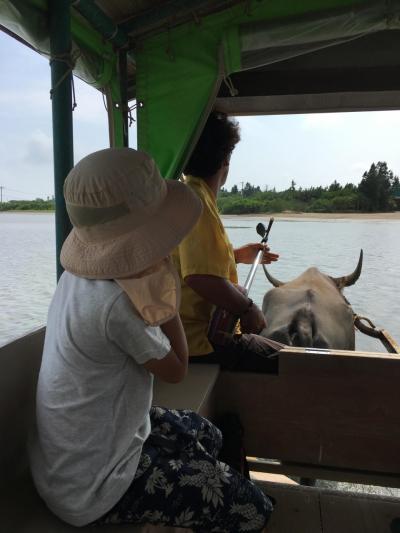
x=332 y=409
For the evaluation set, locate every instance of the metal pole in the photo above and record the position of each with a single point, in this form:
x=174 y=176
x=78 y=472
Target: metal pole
x=123 y=81
x=96 y=17
x=61 y=79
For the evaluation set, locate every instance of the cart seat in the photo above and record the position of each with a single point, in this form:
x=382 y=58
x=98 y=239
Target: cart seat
x=21 y=508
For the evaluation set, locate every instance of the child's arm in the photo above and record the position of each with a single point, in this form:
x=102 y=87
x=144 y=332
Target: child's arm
x=173 y=367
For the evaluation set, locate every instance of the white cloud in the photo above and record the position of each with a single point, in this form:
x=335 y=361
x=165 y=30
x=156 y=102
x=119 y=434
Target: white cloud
x=359 y=167
x=30 y=101
x=39 y=149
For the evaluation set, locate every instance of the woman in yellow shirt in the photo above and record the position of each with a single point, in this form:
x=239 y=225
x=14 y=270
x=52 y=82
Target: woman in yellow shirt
x=206 y=260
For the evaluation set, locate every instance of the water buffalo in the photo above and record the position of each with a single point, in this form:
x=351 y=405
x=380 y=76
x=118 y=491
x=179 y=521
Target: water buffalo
x=311 y=311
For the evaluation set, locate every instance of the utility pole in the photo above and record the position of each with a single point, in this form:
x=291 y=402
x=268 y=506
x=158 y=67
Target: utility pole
x=241 y=183
x=1 y=194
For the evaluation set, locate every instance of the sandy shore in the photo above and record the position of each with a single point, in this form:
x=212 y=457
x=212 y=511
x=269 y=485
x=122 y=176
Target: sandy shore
x=28 y=211
x=285 y=215
x=321 y=216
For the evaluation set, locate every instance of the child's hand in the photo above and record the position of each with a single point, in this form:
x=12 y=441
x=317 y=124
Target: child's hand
x=173 y=329
x=173 y=367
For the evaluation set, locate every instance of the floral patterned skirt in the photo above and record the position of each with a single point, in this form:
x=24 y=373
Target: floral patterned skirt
x=179 y=481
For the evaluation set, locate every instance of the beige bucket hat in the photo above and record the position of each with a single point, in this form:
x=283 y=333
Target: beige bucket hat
x=126 y=217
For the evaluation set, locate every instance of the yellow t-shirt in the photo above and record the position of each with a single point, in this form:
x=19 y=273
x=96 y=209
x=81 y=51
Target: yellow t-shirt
x=205 y=250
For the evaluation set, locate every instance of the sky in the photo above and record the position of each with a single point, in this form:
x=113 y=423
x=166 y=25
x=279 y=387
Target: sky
x=312 y=150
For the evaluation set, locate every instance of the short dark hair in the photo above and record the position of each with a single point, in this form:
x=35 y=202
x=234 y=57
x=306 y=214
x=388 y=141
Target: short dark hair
x=215 y=145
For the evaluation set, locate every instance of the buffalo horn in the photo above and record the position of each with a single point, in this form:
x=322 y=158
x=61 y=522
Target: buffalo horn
x=275 y=282
x=346 y=281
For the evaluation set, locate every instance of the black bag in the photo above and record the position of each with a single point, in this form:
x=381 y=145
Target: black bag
x=232 y=452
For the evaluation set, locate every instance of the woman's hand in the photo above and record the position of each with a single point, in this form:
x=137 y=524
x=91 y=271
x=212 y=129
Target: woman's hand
x=246 y=254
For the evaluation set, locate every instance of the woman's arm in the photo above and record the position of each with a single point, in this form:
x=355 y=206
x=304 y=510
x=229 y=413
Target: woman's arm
x=219 y=292
x=226 y=295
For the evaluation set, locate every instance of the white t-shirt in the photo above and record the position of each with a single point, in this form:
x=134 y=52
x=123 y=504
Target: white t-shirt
x=93 y=398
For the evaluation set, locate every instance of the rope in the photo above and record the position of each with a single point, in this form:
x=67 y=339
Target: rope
x=74 y=102
x=130 y=115
x=196 y=18
x=359 y=317
x=247 y=7
x=114 y=33
x=69 y=59
x=104 y=101
x=232 y=89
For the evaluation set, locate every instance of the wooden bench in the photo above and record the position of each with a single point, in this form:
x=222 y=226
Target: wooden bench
x=21 y=509
x=309 y=418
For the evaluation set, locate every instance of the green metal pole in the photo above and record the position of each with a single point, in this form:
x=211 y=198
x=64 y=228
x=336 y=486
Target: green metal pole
x=61 y=76
x=118 y=113
x=101 y=22
x=123 y=82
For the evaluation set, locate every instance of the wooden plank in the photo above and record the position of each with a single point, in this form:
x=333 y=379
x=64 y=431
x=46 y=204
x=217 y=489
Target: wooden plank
x=307 y=510
x=192 y=393
x=273 y=478
x=284 y=104
x=323 y=472
x=351 y=513
x=337 y=353
x=19 y=369
x=319 y=409
x=296 y=511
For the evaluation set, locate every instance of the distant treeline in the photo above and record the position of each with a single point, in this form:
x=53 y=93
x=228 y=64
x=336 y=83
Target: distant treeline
x=28 y=205
x=378 y=190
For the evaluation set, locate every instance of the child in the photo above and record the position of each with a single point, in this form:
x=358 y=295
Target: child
x=101 y=454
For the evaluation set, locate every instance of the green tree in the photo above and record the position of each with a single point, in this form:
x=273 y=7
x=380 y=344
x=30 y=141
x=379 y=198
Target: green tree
x=375 y=187
x=335 y=187
x=395 y=188
x=248 y=189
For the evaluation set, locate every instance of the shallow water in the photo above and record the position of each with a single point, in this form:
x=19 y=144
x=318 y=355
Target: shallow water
x=27 y=265
x=27 y=271
x=334 y=246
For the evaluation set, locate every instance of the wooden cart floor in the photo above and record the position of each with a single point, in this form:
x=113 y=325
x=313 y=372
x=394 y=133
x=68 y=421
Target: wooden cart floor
x=302 y=509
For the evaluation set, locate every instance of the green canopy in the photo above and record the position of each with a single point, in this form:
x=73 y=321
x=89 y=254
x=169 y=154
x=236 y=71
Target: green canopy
x=179 y=72
x=176 y=69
